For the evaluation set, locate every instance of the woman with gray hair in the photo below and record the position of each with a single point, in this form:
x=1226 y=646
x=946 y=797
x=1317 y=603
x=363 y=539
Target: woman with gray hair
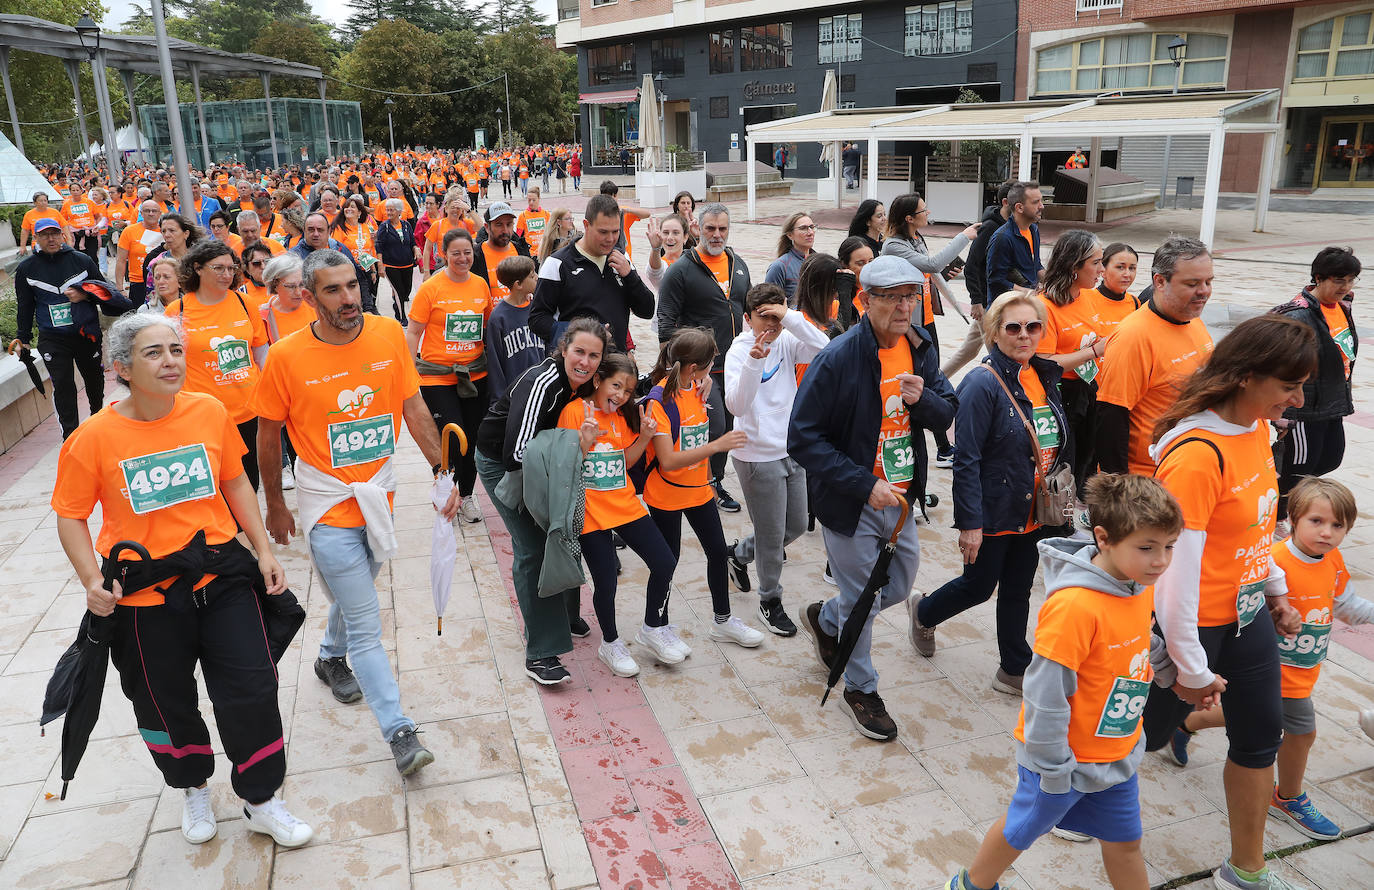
x=395 y=241
x=293 y=225
x=164 y=466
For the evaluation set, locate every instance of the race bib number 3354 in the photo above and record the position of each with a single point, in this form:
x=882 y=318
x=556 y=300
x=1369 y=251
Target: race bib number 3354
x=167 y=478
x=353 y=442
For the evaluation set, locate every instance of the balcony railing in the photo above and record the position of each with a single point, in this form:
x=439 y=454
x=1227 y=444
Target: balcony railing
x=1095 y=5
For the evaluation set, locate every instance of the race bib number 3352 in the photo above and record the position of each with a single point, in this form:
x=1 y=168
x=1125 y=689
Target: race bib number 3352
x=353 y=442
x=167 y=478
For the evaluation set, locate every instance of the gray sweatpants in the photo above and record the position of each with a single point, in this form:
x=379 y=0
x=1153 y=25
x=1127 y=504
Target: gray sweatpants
x=968 y=350
x=775 y=495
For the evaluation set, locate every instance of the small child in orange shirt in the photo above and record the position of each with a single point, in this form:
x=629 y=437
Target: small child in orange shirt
x=1084 y=692
x=1322 y=512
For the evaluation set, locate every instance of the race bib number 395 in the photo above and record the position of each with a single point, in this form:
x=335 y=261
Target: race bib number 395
x=167 y=478
x=1249 y=602
x=353 y=442
x=1125 y=704
x=1308 y=648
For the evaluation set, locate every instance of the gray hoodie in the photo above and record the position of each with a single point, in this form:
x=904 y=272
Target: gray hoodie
x=1048 y=685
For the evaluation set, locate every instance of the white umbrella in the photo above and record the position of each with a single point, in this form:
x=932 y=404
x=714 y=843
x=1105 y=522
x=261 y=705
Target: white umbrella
x=650 y=134
x=830 y=100
x=443 y=545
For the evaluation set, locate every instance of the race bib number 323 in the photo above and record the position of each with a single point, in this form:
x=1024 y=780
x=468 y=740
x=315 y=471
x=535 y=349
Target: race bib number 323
x=167 y=478
x=353 y=442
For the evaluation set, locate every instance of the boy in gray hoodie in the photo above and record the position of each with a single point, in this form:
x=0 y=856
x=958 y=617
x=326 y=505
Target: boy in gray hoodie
x=1079 y=735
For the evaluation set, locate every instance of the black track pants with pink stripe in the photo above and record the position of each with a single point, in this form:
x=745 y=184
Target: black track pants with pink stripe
x=155 y=649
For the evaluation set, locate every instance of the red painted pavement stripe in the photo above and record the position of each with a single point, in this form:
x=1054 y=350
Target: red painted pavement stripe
x=641 y=820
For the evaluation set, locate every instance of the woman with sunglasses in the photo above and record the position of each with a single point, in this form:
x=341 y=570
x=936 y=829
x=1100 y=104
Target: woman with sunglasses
x=995 y=482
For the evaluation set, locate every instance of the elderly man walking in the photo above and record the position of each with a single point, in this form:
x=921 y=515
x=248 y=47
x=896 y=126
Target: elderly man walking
x=856 y=431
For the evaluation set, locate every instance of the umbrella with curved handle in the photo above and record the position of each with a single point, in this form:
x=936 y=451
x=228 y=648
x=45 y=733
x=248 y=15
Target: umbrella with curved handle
x=443 y=545
x=858 y=616
x=78 y=682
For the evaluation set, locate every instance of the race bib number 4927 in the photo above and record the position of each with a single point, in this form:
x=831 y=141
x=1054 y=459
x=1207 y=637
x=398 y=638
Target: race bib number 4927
x=167 y=478
x=353 y=442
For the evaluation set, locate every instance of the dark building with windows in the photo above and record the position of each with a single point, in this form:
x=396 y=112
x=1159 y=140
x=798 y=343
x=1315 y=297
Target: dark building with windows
x=726 y=64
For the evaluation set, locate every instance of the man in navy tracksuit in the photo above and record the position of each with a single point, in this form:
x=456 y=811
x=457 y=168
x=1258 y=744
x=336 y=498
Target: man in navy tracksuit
x=856 y=430
x=1014 y=251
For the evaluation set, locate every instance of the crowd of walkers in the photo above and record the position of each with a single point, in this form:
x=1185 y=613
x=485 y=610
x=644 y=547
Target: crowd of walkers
x=1169 y=490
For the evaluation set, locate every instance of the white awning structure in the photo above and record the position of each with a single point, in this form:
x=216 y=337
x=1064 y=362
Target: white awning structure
x=19 y=179
x=1213 y=115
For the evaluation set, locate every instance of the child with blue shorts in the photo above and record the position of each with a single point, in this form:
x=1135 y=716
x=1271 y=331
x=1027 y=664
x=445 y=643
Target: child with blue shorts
x=1079 y=734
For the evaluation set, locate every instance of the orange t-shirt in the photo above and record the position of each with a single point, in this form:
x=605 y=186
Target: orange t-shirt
x=494 y=258
x=611 y=500
x=124 y=211
x=274 y=247
x=341 y=403
x=34 y=215
x=719 y=266
x=378 y=210
x=1236 y=506
x=79 y=211
x=1312 y=589
x=928 y=302
x=531 y=225
x=435 y=233
x=157 y=482
x=219 y=343
x=254 y=294
x=1341 y=333
x=895 y=459
x=1105 y=641
x=1149 y=358
x=454 y=315
x=1030 y=242
x=1071 y=328
x=136 y=240
x=280 y=324
x=235 y=243
x=359 y=238
x=687 y=486
x=1110 y=313
x=628 y=219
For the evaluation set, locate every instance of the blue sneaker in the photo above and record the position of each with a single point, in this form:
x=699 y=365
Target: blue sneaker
x=1303 y=815
x=958 y=882
x=1225 y=878
x=1177 y=749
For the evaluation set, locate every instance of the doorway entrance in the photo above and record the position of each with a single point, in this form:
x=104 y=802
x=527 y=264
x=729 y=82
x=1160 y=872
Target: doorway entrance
x=1346 y=157
x=758 y=114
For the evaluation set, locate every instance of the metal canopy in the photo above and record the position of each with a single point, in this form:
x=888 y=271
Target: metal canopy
x=1208 y=114
x=137 y=52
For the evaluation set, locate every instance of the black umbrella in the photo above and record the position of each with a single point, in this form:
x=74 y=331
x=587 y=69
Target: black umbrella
x=858 y=616
x=79 y=680
x=26 y=356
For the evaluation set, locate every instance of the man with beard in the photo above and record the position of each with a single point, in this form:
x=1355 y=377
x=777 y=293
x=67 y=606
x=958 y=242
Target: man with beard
x=342 y=390
x=501 y=242
x=316 y=237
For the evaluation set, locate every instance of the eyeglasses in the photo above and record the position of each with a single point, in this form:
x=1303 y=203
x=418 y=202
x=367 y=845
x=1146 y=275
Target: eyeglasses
x=896 y=299
x=282 y=285
x=220 y=269
x=1014 y=328
x=810 y=228
x=252 y=263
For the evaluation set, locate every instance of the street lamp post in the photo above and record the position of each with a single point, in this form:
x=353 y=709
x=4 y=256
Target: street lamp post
x=88 y=32
x=390 y=132
x=1177 y=48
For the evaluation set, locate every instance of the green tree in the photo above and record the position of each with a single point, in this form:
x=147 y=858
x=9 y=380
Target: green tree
x=543 y=82
x=295 y=41
x=396 y=56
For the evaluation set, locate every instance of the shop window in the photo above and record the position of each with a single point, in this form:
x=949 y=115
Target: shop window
x=667 y=56
x=766 y=47
x=720 y=107
x=1130 y=62
x=721 y=57
x=934 y=29
x=1338 y=47
x=847 y=83
x=611 y=64
x=841 y=39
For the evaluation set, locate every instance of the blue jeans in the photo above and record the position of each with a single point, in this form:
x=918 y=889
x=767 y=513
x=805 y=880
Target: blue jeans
x=344 y=560
x=851 y=562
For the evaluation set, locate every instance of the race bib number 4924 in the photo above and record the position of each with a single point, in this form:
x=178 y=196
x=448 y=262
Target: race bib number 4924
x=167 y=478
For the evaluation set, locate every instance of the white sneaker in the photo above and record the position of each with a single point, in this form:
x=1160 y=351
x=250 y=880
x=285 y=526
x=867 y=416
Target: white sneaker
x=273 y=818
x=470 y=510
x=197 y=817
x=288 y=478
x=1076 y=836
x=660 y=641
x=616 y=656
x=1367 y=722
x=736 y=631
x=677 y=641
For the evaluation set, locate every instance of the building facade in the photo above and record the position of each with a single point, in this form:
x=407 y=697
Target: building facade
x=1318 y=53
x=238 y=131
x=726 y=64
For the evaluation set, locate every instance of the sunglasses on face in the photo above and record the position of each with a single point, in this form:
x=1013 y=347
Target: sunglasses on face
x=1014 y=328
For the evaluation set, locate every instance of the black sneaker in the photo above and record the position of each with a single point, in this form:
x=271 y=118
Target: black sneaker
x=775 y=618
x=409 y=753
x=869 y=714
x=739 y=572
x=336 y=674
x=547 y=671
x=825 y=643
x=579 y=626
x=618 y=541
x=724 y=501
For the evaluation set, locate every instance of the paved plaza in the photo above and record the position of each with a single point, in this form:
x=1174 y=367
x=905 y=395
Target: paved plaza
x=720 y=772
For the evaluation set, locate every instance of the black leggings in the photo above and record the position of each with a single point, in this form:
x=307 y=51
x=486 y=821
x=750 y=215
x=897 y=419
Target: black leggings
x=1308 y=448
x=1005 y=563
x=941 y=436
x=401 y=282
x=1252 y=702
x=446 y=406
x=248 y=431
x=65 y=356
x=705 y=521
x=644 y=538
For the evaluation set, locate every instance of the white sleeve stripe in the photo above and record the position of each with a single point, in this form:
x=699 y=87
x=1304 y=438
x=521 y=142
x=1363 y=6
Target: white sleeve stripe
x=550 y=271
x=530 y=421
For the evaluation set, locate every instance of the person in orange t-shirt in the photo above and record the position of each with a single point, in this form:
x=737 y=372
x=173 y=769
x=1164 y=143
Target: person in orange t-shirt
x=532 y=221
x=1078 y=751
x=41 y=210
x=80 y=211
x=163 y=466
x=1112 y=298
x=614 y=433
x=341 y=387
x=1223 y=597
x=1153 y=352
x=284 y=311
x=448 y=321
x=226 y=342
